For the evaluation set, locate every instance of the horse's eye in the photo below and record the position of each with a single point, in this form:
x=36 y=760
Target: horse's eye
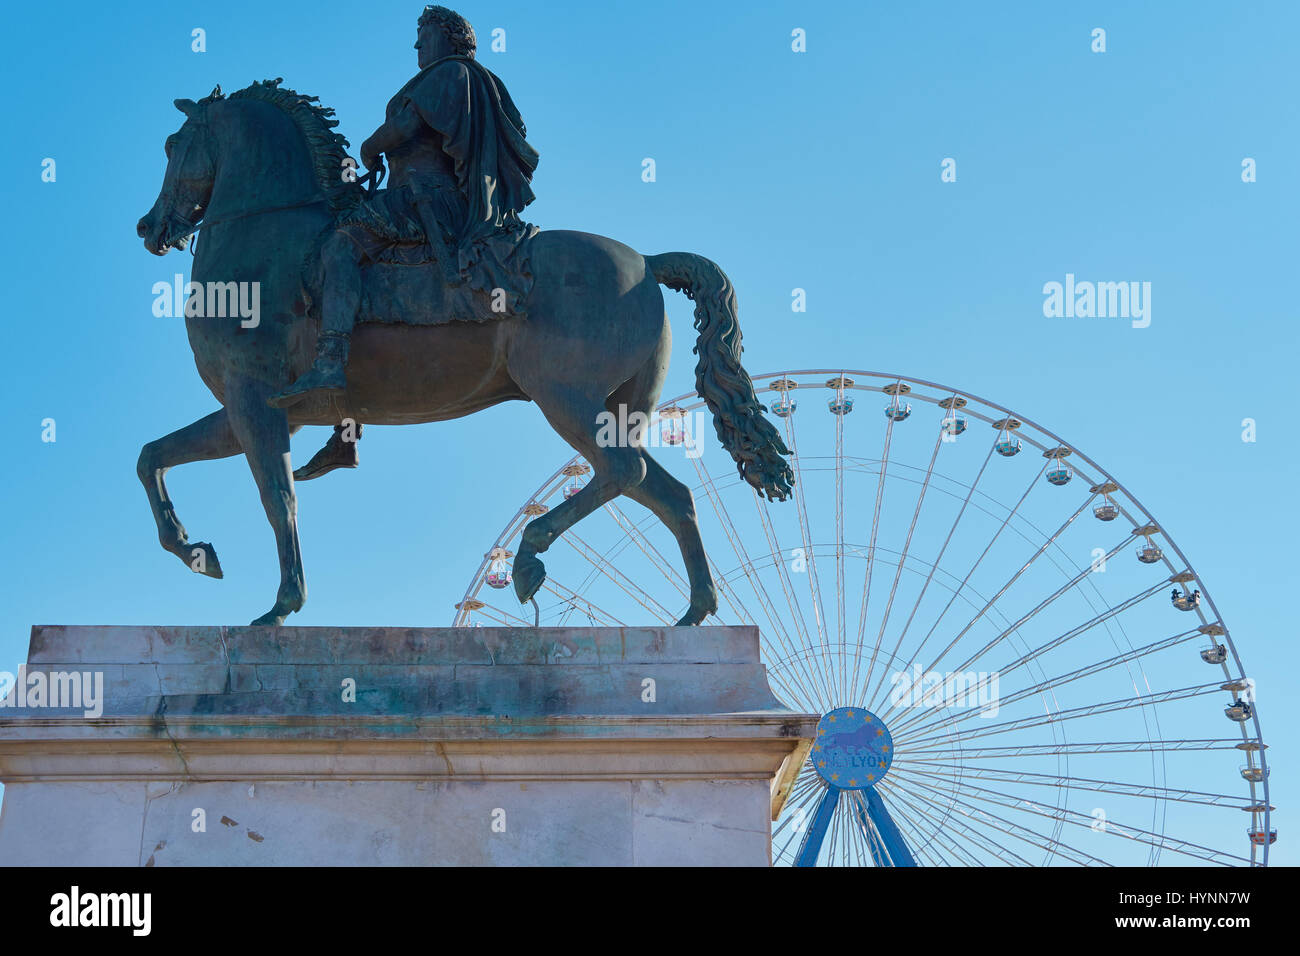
x=167 y=146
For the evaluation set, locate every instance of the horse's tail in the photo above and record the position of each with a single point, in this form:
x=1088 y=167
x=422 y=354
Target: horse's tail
x=720 y=380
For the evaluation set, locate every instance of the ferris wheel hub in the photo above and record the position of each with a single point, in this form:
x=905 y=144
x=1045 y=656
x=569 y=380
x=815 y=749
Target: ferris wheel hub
x=853 y=749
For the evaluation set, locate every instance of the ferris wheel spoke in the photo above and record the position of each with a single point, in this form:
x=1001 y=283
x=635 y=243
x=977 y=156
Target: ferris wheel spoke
x=864 y=839
x=939 y=830
x=807 y=678
x=787 y=587
x=813 y=695
x=867 y=847
x=806 y=780
x=626 y=584
x=914 y=812
x=975 y=810
x=867 y=694
x=729 y=594
x=865 y=834
x=853 y=838
x=840 y=632
x=1087 y=821
x=873 y=537
x=1080 y=629
x=1025 y=834
x=1069 y=749
x=1060 y=716
x=929 y=853
x=898 y=571
x=877 y=812
x=572 y=599
x=957 y=592
x=1052 y=683
x=494 y=613
x=1042 y=605
x=783 y=690
x=683 y=588
x=749 y=569
x=1116 y=787
x=1101 y=618
x=813 y=692
x=805 y=530
x=1035 y=611
x=647 y=548
x=835 y=845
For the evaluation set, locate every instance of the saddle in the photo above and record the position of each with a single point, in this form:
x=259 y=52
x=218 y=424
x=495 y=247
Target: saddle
x=407 y=284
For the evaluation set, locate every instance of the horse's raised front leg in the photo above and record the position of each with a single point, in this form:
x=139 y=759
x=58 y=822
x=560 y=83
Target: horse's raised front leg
x=207 y=439
x=263 y=433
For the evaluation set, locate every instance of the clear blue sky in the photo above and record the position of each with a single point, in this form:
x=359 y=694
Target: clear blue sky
x=818 y=170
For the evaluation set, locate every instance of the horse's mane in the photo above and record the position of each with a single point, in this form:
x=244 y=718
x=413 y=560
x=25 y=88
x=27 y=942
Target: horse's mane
x=327 y=148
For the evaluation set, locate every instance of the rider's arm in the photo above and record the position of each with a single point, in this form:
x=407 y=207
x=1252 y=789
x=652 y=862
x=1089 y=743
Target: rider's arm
x=438 y=101
x=396 y=130
x=441 y=99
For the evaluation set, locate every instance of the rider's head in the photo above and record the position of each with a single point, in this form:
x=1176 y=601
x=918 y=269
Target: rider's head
x=443 y=32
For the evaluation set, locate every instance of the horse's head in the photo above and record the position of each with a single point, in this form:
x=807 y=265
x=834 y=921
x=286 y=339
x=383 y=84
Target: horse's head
x=187 y=183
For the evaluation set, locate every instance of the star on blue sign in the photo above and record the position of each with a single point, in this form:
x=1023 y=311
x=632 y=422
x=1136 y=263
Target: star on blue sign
x=854 y=749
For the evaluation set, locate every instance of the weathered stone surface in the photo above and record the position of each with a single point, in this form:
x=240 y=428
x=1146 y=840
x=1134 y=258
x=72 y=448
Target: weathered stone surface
x=472 y=746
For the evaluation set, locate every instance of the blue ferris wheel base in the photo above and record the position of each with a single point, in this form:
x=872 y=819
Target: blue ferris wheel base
x=852 y=753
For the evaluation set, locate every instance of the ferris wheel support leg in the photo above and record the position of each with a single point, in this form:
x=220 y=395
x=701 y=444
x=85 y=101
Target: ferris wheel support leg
x=895 y=845
x=816 y=833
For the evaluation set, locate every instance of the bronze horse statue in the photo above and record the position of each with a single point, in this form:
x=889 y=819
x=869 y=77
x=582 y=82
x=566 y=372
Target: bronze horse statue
x=260 y=170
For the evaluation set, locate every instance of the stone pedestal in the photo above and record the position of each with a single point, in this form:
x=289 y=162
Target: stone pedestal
x=394 y=746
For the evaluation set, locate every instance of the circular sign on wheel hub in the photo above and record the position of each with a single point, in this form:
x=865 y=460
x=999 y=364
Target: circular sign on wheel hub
x=853 y=749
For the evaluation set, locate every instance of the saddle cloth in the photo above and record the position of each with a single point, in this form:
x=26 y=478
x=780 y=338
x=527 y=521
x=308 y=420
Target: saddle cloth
x=403 y=280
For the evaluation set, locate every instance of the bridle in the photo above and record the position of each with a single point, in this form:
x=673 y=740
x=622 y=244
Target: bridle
x=169 y=197
x=181 y=227
x=192 y=228
x=371 y=180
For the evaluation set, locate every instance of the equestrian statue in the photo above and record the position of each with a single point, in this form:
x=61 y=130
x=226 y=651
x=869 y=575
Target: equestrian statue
x=426 y=300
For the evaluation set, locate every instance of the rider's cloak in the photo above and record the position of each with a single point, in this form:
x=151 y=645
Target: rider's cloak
x=484 y=135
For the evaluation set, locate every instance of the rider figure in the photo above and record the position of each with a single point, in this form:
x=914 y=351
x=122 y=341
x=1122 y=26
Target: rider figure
x=460 y=169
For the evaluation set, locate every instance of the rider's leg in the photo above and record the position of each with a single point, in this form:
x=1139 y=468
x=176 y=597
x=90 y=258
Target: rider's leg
x=341 y=261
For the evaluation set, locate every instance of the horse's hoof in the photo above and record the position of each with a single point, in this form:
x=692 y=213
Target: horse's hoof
x=528 y=573
x=270 y=619
x=700 y=608
x=202 y=559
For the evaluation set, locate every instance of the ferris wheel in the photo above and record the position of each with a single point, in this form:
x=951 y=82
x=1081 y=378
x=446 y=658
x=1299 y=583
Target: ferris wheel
x=1013 y=662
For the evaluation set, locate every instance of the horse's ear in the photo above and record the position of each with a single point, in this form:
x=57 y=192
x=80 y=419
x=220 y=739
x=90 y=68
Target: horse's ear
x=186 y=106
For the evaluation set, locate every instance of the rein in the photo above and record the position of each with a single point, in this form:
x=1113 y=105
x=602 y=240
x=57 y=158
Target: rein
x=372 y=180
x=192 y=228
